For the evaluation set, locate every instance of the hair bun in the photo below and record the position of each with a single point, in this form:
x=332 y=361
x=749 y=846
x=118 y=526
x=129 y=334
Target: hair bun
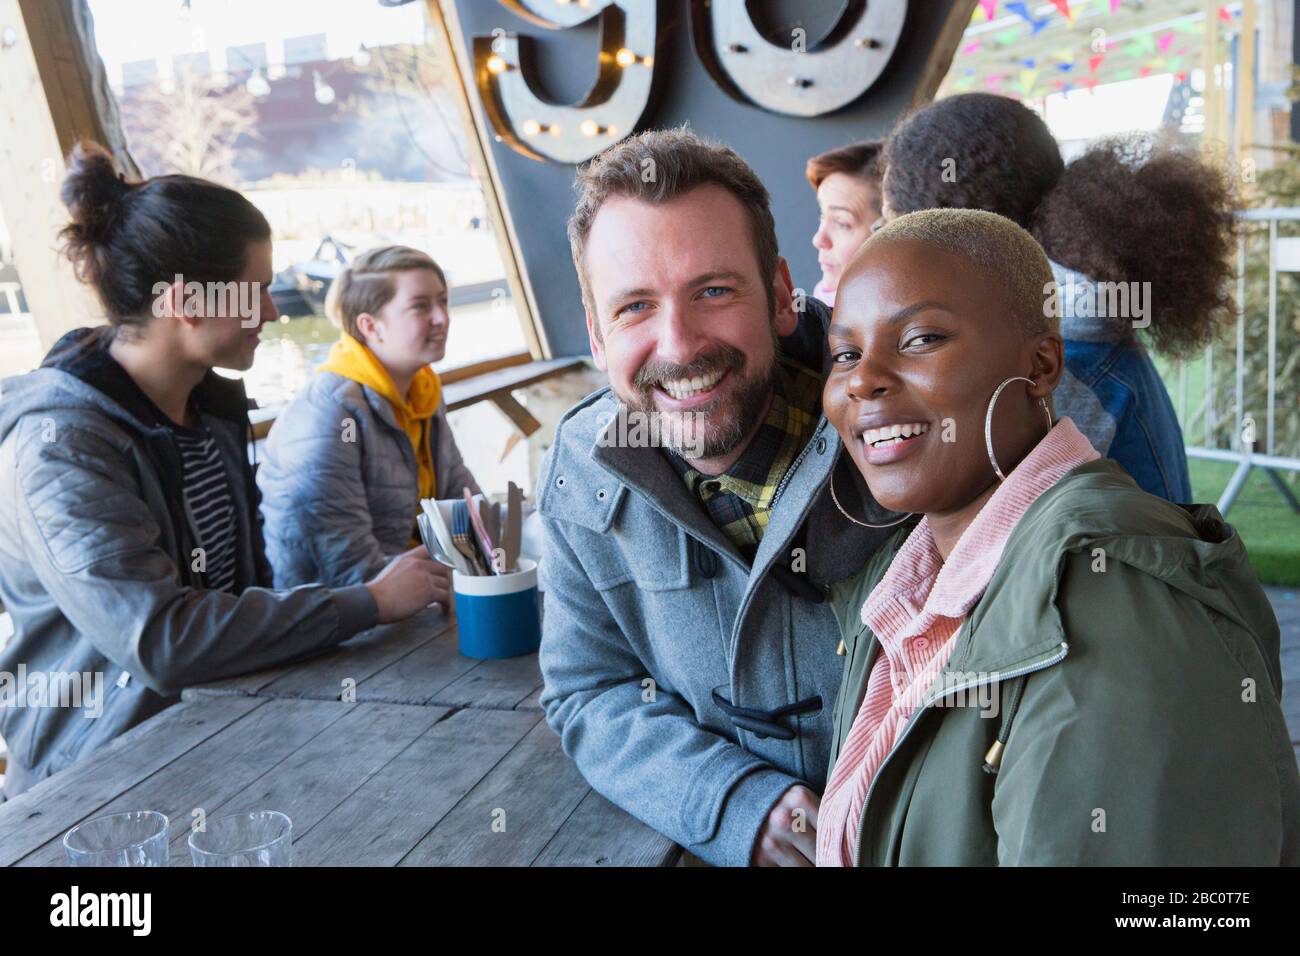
x=93 y=191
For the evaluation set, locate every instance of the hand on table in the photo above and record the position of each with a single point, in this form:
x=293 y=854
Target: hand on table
x=789 y=834
x=408 y=584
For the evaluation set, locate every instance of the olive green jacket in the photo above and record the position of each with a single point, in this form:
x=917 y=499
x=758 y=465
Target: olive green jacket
x=1127 y=659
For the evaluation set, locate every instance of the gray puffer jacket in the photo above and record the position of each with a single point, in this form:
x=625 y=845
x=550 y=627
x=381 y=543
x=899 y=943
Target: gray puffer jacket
x=340 y=484
x=96 y=564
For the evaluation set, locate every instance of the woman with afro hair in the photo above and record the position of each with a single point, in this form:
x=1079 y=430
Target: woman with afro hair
x=1139 y=231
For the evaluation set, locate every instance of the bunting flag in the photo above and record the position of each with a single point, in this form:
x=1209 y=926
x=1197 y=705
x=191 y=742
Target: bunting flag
x=1027 y=79
x=1091 y=83
x=1029 y=63
x=1114 y=5
x=1007 y=36
x=1021 y=9
x=1164 y=40
x=1224 y=15
x=990 y=7
x=972 y=47
x=1095 y=61
x=1064 y=7
x=1142 y=45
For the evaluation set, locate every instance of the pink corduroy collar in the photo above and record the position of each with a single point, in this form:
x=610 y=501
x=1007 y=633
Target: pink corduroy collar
x=919 y=586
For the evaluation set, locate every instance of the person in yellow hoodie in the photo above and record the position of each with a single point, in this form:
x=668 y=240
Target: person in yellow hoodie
x=349 y=459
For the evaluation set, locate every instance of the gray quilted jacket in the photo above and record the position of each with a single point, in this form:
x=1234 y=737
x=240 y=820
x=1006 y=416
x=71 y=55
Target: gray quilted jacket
x=96 y=563
x=340 y=485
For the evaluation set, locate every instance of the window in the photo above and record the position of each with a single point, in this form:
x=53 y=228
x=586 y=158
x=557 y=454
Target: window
x=20 y=347
x=139 y=71
x=346 y=139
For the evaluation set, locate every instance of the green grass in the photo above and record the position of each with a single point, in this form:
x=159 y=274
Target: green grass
x=1267 y=525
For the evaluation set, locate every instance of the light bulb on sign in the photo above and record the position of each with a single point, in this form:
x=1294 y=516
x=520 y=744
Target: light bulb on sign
x=497 y=65
x=324 y=92
x=257 y=84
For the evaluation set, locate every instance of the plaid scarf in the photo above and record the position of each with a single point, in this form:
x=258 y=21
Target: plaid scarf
x=739 y=501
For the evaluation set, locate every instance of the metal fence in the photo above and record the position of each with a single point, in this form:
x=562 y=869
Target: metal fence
x=1283 y=256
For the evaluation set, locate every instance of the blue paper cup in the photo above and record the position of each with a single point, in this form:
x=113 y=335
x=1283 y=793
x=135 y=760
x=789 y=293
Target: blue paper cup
x=496 y=614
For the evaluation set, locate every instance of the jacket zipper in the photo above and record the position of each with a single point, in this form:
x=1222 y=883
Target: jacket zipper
x=915 y=718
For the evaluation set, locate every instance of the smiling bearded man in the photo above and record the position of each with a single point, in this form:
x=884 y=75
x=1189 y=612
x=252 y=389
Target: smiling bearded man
x=689 y=655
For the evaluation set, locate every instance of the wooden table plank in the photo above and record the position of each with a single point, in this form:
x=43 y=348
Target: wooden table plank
x=53 y=806
x=532 y=702
x=334 y=764
x=379 y=823
x=510 y=817
x=321 y=677
x=212 y=772
x=600 y=834
x=500 y=684
x=420 y=675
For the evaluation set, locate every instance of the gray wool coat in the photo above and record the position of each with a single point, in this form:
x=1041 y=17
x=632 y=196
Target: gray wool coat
x=336 y=511
x=667 y=658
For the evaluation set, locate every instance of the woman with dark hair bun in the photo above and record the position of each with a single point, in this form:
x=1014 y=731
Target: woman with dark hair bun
x=130 y=542
x=1139 y=231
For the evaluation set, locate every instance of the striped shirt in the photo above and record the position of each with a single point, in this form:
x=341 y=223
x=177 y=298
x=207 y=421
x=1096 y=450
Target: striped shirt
x=210 y=505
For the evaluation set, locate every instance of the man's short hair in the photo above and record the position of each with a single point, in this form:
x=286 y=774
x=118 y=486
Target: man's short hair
x=657 y=166
x=996 y=246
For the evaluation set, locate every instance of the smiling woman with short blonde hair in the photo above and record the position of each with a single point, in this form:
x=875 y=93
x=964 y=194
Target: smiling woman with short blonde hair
x=1045 y=665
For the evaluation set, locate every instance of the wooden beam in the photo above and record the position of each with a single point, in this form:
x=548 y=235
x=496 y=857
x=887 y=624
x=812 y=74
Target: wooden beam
x=1243 y=79
x=447 y=38
x=62 y=35
x=519 y=416
x=31 y=155
x=939 y=61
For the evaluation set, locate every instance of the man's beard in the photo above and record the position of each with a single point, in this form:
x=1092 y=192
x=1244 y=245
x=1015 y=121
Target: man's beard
x=718 y=426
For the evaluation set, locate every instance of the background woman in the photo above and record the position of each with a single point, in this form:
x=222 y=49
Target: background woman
x=1140 y=235
x=130 y=544
x=847 y=183
x=1052 y=667
x=352 y=455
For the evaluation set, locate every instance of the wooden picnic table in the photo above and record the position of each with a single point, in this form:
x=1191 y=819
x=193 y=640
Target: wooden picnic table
x=393 y=750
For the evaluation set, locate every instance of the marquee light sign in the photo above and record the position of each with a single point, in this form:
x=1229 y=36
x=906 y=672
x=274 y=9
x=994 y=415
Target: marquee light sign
x=539 y=128
x=796 y=79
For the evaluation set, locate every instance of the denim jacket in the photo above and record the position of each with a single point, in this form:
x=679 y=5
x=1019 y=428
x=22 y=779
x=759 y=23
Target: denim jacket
x=1114 y=394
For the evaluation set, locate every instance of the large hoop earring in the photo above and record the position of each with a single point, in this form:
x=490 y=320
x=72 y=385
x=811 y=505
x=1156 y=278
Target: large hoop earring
x=863 y=524
x=988 y=420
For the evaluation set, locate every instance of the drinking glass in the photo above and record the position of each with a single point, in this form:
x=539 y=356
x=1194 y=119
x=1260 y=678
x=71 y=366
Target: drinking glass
x=259 y=838
x=135 y=838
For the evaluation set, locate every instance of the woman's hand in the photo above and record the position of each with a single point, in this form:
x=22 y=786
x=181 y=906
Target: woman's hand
x=408 y=584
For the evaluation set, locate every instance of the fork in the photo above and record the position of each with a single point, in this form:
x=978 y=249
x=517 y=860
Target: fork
x=460 y=535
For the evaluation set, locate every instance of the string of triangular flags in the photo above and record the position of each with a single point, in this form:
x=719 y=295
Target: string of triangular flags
x=1158 y=50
